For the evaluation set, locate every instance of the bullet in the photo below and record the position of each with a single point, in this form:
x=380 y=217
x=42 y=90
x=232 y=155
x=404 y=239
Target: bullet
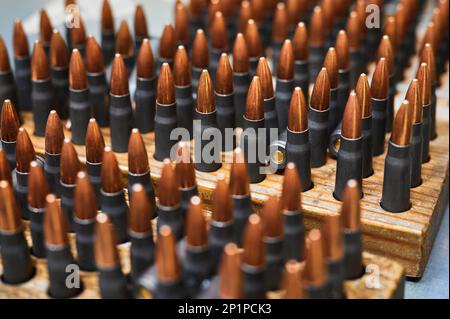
x=181 y=24
x=349 y=159
x=22 y=67
x=245 y=14
x=279 y=31
x=317 y=284
x=167 y=47
x=142 y=250
x=258 y=14
x=292 y=281
x=343 y=65
x=112 y=281
x=45 y=30
x=59 y=68
x=270 y=109
x=385 y=51
x=253 y=265
x=70 y=5
x=9 y=124
x=329 y=12
x=241 y=77
x=107 y=32
x=140 y=27
x=401 y=21
x=301 y=59
x=200 y=58
x=183 y=90
x=319 y=108
x=94 y=152
x=219 y=41
x=42 y=91
x=57 y=251
x=99 y=98
x=125 y=46
x=5 y=171
x=120 y=112
x=85 y=210
x=397 y=169
x=351 y=221
x=16 y=262
x=379 y=90
x=428 y=58
x=197 y=10
x=230 y=275
x=185 y=171
x=354 y=36
x=365 y=37
x=331 y=65
x=316 y=42
x=112 y=193
x=390 y=30
x=166 y=114
x=78 y=37
x=284 y=84
x=253 y=40
x=423 y=75
x=54 y=138
x=8 y=90
x=206 y=113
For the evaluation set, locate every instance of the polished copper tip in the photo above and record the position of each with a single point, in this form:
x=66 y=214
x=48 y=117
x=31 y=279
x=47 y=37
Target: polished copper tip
x=331 y=64
x=5 y=169
x=167 y=263
x=413 y=96
x=285 y=69
x=78 y=35
x=45 y=28
x=84 y=203
x=10 y=220
x=317 y=27
x=196 y=231
x=94 y=58
x=298 y=112
x=200 y=51
x=124 y=40
x=354 y=31
x=291 y=193
x=342 y=51
x=4 y=57
x=141 y=210
x=165 y=94
x=140 y=22
x=182 y=68
x=111 y=176
x=137 y=154
x=231 y=281
x=239 y=181
x=300 y=43
x=423 y=75
x=390 y=29
x=40 y=69
x=240 y=55
x=297 y=10
x=205 y=95
x=430 y=37
x=258 y=10
x=119 y=77
x=401 y=21
x=9 y=122
x=184 y=168
x=213 y=7
x=265 y=77
x=55 y=223
x=315 y=266
x=24 y=151
x=107 y=18
x=145 y=61
x=224 y=76
x=428 y=57
x=351 y=208
x=245 y=14
x=77 y=72
x=351 y=120
x=253 y=39
x=272 y=218
x=221 y=202
x=254 y=249
x=167 y=43
x=401 y=128
x=385 y=51
x=105 y=243
x=292 y=280
x=218 y=32
x=59 y=54
x=169 y=195
x=333 y=237
x=320 y=96
x=94 y=142
x=54 y=134
x=280 y=23
x=20 y=40
x=380 y=80
x=254 y=110
x=329 y=12
x=70 y=164
x=364 y=96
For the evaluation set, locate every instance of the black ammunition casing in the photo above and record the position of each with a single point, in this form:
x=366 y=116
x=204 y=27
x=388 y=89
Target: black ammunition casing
x=60 y=83
x=278 y=157
x=294 y=236
x=397 y=179
x=58 y=260
x=99 y=98
x=185 y=108
x=113 y=284
x=298 y=151
x=343 y=92
x=84 y=230
x=196 y=72
x=67 y=197
x=270 y=118
x=276 y=48
x=433 y=112
x=94 y=176
x=120 y=119
x=170 y=290
x=225 y=118
x=283 y=95
x=220 y=234
x=8 y=90
x=250 y=141
x=318 y=136
x=333 y=114
x=142 y=253
x=43 y=102
x=51 y=170
x=145 y=99
x=208 y=124
x=115 y=206
x=129 y=64
x=379 y=121
x=274 y=262
x=185 y=195
x=80 y=113
x=367 y=147
x=390 y=104
x=37 y=231
x=349 y=165
x=241 y=82
x=10 y=151
x=322 y=292
x=21 y=190
x=23 y=83
x=108 y=40
x=165 y=122
x=353 y=248
x=336 y=278
x=356 y=66
x=214 y=56
x=416 y=155
x=197 y=266
x=173 y=217
x=253 y=62
x=242 y=209
x=254 y=281
x=301 y=77
x=426 y=133
x=316 y=57
x=16 y=260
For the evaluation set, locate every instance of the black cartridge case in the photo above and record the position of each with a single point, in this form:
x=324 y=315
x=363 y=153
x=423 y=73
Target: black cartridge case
x=23 y=83
x=21 y=190
x=301 y=77
x=8 y=89
x=318 y=136
x=254 y=281
x=185 y=197
x=322 y=292
x=433 y=112
x=242 y=209
x=196 y=72
x=274 y=262
x=80 y=113
x=94 y=176
x=251 y=141
x=343 y=92
x=241 y=83
x=390 y=104
x=353 y=265
x=333 y=114
x=51 y=170
x=356 y=68
x=99 y=98
x=145 y=99
x=129 y=63
x=225 y=118
x=10 y=151
x=379 y=121
x=426 y=133
x=165 y=122
x=316 y=57
x=37 y=231
x=367 y=147
x=43 y=102
x=336 y=278
x=67 y=191
x=115 y=206
x=108 y=40
x=270 y=118
x=253 y=63
x=206 y=127
x=142 y=253
x=220 y=234
x=60 y=83
x=113 y=284
x=185 y=108
x=416 y=155
x=172 y=217
x=84 y=230
x=276 y=48
x=214 y=56
x=283 y=95
x=294 y=235
x=120 y=118
x=298 y=151
x=197 y=266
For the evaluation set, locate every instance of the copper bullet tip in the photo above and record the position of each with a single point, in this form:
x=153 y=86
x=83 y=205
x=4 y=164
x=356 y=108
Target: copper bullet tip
x=390 y=29
x=315 y=267
x=231 y=282
x=184 y=168
x=265 y=77
x=5 y=169
x=20 y=40
x=45 y=27
x=200 y=51
x=401 y=128
x=342 y=51
x=224 y=76
x=272 y=218
x=292 y=280
x=140 y=22
x=40 y=69
x=218 y=32
x=253 y=39
x=354 y=31
x=119 y=76
x=4 y=57
x=59 y=54
x=77 y=72
x=364 y=96
x=167 y=263
x=111 y=176
x=380 y=80
x=10 y=220
x=423 y=75
x=221 y=202
x=351 y=120
x=70 y=164
x=181 y=23
x=286 y=61
x=331 y=64
x=428 y=57
x=94 y=142
x=254 y=110
x=415 y=100
x=85 y=203
x=166 y=87
x=182 y=68
x=205 y=95
x=78 y=35
x=351 y=208
x=24 y=151
x=105 y=243
x=167 y=43
x=291 y=194
x=240 y=55
x=55 y=223
x=385 y=51
x=137 y=154
x=254 y=250
x=124 y=40
x=196 y=232
x=320 y=96
x=169 y=195
x=239 y=181
x=298 y=112
x=141 y=211
x=94 y=56
x=280 y=23
x=9 y=122
x=300 y=42
x=317 y=27
x=145 y=61
x=54 y=134
x=107 y=19
x=333 y=237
